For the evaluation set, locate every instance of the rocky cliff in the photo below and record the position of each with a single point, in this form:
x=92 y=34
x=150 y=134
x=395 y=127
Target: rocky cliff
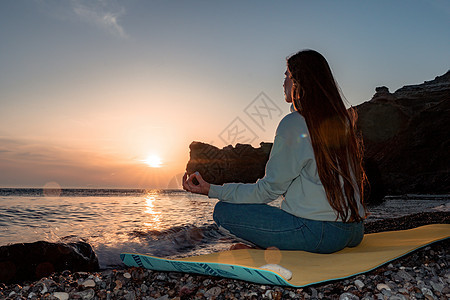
x=406 y=137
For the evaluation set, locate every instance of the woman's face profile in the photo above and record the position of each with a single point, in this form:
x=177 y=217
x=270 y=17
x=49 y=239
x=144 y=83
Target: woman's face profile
x=287 y=85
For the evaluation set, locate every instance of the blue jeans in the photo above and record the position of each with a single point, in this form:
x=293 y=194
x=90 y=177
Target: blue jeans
x=266 y=226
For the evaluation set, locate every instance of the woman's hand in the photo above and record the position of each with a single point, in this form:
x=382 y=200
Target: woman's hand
x=201 y=188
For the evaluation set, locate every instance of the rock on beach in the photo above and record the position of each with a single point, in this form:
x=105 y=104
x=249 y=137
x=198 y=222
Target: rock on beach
x=28 y=261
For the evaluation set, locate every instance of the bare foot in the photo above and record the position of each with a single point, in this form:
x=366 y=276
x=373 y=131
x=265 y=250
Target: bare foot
x=241 y=246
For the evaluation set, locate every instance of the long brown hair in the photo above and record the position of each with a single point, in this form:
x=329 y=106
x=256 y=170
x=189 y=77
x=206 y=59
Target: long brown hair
x=337 y=148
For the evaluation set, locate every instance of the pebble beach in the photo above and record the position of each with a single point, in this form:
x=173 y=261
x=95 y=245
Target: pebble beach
x=423 y=274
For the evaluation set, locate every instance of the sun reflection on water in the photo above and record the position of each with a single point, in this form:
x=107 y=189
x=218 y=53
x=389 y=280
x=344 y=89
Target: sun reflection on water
x=153 y=214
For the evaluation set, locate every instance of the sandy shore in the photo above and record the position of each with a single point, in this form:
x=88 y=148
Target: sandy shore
x=423 y=274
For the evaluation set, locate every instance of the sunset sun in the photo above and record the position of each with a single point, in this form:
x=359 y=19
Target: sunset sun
x=153 y=161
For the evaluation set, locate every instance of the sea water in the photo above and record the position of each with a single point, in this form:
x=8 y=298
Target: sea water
x=166 y=223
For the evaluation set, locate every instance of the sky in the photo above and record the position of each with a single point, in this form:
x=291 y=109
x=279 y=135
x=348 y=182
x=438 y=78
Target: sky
x=90 y=89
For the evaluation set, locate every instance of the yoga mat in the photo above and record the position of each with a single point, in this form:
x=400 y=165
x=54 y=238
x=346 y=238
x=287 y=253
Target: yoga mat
x=375 y=250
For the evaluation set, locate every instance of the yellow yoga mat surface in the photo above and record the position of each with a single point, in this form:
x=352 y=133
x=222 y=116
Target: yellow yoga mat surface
x=307 y=268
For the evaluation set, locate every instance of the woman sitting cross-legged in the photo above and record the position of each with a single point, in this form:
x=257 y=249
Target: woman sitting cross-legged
x=315 y=164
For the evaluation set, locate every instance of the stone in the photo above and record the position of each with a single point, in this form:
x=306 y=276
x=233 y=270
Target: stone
x=420 y=283
x=438 y=287
x=382 y=286
x=127 y=275
x=44 y=287
x=398 y=297
x=102 y=294
x=428 y=293
x=89 y=283
x=118 y=285
x=131 y=295
x=446 y=290
x=268 y=294
x=161 y=277
x=348 y=296
x=31 y=261
x=359 y=284
x=207 y=282
x=404 y=275
x=61 y=295
x=188 y=290
x=86 y=294
x=213 y=292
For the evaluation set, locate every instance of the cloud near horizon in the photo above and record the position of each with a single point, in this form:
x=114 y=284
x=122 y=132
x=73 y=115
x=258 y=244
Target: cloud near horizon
x=35 y=163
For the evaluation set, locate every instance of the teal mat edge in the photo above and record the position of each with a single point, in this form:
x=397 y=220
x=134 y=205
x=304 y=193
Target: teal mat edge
x=233 y=271
x=279 y=278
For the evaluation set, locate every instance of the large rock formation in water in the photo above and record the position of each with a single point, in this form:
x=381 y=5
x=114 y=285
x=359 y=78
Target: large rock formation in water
x=30 y=261
x=406 y=137
x=241 y=163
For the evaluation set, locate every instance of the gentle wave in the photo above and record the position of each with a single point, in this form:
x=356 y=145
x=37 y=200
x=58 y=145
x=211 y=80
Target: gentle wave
x=176 y=242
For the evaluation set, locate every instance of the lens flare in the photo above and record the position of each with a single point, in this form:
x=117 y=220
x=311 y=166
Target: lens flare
x=51 y=189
